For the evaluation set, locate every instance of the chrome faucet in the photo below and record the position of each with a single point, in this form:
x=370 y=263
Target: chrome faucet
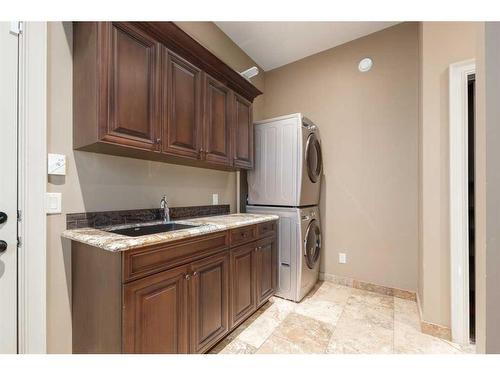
x=166 y=210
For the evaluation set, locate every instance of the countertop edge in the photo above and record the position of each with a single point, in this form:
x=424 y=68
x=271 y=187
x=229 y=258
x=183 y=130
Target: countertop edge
x=117 y=243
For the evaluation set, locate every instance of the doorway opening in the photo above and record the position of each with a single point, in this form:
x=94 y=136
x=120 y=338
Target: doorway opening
x=471 y=92
x=462 y=228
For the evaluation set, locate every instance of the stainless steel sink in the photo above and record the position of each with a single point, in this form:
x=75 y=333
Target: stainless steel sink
x=152 y=229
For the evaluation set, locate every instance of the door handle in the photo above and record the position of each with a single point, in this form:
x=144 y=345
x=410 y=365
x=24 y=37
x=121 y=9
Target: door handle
x=3 y=246
x=3 y=217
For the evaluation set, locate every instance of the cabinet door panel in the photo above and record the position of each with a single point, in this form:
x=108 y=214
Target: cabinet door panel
x=217 y=138
x=209 y=301
x=266 y=269
x=155 y=314
x=243 y=133
x=182 y=114
x=243 y=268
x=133 y=88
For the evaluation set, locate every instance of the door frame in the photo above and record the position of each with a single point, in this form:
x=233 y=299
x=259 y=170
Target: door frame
x=32 y=185
x=459 y=200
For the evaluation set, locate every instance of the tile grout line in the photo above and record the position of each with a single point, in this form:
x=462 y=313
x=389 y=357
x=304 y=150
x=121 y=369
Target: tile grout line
x=338 y=320
x=272 y=332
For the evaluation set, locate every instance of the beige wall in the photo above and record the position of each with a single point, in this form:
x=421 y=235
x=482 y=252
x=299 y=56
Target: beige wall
x=441 y=44
x=488 y=189
x=100 y=182
x=480 y=192
x=369 y=129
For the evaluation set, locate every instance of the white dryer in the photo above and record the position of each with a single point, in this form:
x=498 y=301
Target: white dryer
x=299 y=249
x=288 y=163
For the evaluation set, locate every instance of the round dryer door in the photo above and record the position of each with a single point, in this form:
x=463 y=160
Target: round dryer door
x=314 y=159
x=312 y=243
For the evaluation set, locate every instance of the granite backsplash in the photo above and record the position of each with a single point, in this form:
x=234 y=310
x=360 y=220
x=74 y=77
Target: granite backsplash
x=107 y=218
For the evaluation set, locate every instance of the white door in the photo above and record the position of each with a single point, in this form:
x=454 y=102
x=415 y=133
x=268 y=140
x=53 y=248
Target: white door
x=8 y=188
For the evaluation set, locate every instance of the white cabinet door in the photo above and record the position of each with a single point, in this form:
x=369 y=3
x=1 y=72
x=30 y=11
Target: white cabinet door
x=8 y=189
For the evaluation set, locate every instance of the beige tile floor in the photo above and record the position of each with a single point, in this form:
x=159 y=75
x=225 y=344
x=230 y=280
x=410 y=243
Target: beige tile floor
x=336 y=319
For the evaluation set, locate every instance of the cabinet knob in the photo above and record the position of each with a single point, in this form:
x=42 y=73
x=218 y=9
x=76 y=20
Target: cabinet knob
x=195 y=273
x=187 y=276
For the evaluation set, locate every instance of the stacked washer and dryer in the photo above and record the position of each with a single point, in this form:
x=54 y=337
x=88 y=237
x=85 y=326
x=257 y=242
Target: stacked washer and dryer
x=286 y=182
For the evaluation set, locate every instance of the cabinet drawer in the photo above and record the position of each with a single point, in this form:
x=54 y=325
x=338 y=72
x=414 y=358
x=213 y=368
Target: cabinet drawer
x=146 y=261
x=242 y=235
x=266 y=229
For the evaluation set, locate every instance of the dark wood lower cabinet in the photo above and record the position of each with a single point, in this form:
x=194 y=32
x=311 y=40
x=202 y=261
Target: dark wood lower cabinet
x=243 y=273
x=184 y=308
x=155 y=313
x=209 y=294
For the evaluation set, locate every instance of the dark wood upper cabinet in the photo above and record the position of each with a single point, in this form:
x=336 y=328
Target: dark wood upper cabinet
x=133 y=88
x=155 y=314
x=266 y=279
x=242 y=133
x=209 y=301
x=115 y=86
x=243 y=273
x=217 y=122
x=182 y=107
x=148 y=90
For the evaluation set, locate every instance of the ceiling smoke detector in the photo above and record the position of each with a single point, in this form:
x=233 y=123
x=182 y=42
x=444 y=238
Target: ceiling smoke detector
x=365 y=64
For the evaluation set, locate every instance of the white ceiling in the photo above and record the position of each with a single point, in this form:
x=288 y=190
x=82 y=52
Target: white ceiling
x=273 y=44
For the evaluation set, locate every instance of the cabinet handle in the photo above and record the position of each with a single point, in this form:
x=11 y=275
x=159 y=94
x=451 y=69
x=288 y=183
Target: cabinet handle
x=195 y=273
x=187 y=276
x=158 y=144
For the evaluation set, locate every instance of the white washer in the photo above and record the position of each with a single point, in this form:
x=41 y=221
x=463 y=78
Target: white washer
x=299 y=249
x=288 y=163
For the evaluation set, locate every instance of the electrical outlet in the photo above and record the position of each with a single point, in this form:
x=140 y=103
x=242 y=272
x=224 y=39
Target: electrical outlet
x=215 y=199
x=342 y=258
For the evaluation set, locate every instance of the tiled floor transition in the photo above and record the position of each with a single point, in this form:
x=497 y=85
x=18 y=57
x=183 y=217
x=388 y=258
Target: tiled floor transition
x=336 y=319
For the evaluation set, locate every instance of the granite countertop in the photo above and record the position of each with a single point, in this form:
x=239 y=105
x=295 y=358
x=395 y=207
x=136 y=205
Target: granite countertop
x=105 y=240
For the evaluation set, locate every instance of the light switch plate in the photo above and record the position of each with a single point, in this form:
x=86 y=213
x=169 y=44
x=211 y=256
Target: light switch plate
x=215 y=199
x=53 y=203
x=56 y=164
x=342 y=258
